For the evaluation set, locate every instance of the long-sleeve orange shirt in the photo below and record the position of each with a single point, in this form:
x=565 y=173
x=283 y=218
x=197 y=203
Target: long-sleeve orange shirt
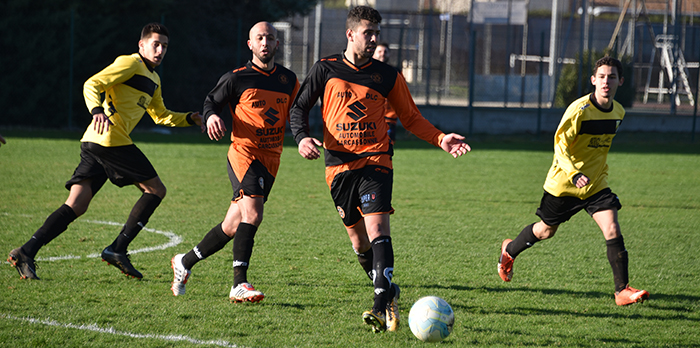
x=353 y=108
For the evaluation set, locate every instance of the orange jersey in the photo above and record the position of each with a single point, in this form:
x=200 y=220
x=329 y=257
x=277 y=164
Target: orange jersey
x=259 y=101
x=353 y=108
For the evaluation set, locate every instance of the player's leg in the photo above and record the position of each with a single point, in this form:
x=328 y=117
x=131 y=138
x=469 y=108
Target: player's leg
x=251 y=216
x=375 y=191
x=252 y=182
x=86 y=180
x=22 y=258
x=552 y=211
x=618 y=258
x=152 y=193
x=125 y=166
x=362 y=247
x=215 y=240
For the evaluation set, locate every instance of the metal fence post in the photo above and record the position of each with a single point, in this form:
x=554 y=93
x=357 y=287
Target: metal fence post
x=472 y=55
x=539 y=93
x=70 y=69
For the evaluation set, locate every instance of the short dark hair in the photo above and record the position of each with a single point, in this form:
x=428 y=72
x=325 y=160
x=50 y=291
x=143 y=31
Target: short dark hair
x=154 y=27
x=609 y=61
x=385 y=44
x=357 y=14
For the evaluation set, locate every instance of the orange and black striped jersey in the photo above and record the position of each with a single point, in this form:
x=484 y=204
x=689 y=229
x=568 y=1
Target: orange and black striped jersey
x=353 y=108
x=259 y=102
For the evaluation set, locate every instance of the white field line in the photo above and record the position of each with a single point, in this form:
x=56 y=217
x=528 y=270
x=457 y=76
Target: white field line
x=112 y=331
x=173 y=240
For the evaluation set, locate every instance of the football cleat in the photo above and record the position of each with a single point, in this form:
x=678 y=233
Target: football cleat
x=180 y=275
x=630 y=295
x=23 y=263
x=505 y=263
x=392 y=310
x=245 y=292
x=120 y=261
x=376 y=320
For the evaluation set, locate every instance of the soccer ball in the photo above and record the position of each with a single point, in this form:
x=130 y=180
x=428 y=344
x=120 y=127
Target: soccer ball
x=431 y=319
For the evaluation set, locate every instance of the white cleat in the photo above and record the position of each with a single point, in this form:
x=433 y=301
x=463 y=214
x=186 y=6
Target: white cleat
x=245 y=292
x=180 y=275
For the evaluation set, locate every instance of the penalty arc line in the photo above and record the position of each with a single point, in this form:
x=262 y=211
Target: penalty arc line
x=173 y=240
x=112 y=331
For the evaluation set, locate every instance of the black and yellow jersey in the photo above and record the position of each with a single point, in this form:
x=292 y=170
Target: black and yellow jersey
x=581 y=146
x=131 y=88
x=259 y=101
x=353 y=109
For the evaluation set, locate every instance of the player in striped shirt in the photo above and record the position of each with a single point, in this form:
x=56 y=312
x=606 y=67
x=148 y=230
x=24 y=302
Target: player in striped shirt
x=577 y=179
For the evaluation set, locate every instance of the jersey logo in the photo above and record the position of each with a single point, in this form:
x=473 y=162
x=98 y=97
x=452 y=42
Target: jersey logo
x=283 y=79
x=142 y=102
x=356 y=109
x=271 y=116
x=377 y=78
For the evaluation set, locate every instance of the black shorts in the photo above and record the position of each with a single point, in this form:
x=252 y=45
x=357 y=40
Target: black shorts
x=363 y=191
x=257 y=181
x=555 y=210
x=122 y=165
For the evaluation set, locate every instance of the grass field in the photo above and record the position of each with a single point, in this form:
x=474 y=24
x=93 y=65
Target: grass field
x=451 y=216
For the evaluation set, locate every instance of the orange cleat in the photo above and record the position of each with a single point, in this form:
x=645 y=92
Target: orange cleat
x=505 y=263
x=630 y=295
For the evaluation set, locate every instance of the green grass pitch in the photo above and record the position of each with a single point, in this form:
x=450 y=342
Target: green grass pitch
x=451 y=216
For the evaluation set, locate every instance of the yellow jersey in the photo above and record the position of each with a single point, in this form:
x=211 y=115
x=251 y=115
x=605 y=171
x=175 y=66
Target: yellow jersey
x=581 y=146
x=131 y=88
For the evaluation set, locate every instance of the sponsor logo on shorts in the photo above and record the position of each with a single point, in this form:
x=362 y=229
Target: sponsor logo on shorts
x=368 y=198
x=341 y=212
x=261 y=182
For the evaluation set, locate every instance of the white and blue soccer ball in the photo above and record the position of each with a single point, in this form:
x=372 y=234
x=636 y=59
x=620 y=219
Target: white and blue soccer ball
x=431 y=319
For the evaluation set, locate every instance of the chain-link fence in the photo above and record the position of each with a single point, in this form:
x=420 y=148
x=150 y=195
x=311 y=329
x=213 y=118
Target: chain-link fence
x=509 y=65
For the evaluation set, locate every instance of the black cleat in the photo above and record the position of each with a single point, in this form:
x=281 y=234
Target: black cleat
x=23 y=263
x=120 y=261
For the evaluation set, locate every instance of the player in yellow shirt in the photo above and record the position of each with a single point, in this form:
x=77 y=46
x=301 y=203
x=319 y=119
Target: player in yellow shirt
x=577 y=179
x=131 y=88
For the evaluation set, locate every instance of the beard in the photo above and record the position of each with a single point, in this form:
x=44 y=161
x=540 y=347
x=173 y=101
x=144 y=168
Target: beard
x=367 y=54
x=268 y=58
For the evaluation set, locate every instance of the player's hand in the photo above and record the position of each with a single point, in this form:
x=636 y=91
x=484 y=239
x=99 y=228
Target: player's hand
x=308 y=149
x=582 y=181
x=453 y=144
x=216 y=129
x=197 y=118
x=101 y=123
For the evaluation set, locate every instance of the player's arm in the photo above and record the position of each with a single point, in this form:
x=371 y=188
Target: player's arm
x=164 y=117
x=306 y=98
x=122 y=69
x=222 y=94
x=564 y=138
x=411 y=118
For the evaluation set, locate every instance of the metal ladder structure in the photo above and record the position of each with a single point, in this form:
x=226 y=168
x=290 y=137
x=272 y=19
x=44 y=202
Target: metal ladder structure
x=664 y=44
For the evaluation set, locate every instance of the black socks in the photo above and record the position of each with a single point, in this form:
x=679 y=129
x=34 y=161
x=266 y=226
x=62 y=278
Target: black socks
x=138 y=218
x=242 y=250
x=366 y=260
x=524 y=240
x=617 y=256
x=54 y=225
x=383 y=265
x=212 y=242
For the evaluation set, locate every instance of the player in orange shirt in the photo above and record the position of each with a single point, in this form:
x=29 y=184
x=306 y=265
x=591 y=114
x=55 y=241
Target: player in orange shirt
x=259 y=95
x=358 y=149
